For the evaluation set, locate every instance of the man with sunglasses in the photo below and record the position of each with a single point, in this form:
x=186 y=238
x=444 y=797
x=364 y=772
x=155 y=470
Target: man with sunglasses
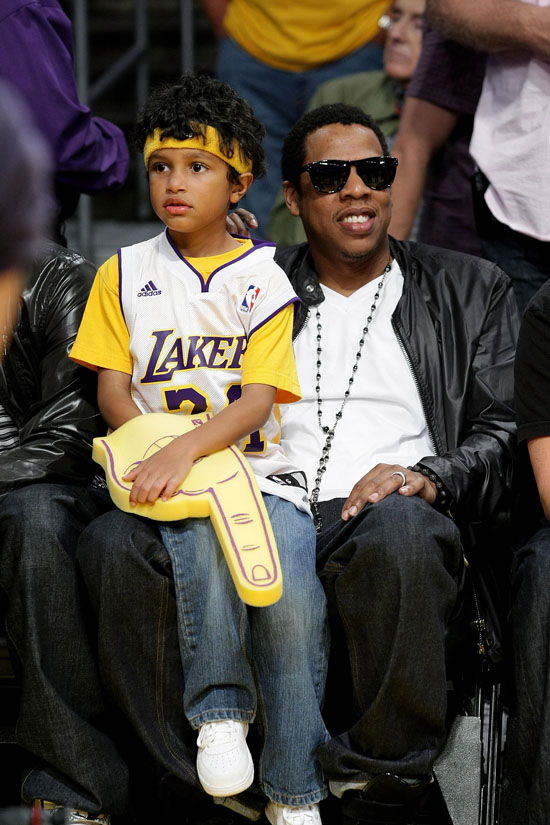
x=405 y=431
x=405 y=355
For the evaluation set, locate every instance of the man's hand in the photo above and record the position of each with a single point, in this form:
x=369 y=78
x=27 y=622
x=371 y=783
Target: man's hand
x=162 y=474
x=383 y=480
x=240 y=222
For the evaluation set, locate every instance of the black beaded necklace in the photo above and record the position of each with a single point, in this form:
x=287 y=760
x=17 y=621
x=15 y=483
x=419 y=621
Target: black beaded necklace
x=329 y=431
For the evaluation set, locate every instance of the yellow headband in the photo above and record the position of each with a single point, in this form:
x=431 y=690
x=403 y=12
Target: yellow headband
x=211 y=144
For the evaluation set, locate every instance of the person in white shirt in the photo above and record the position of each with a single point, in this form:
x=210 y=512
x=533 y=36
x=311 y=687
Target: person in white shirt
x=510 y=142
x=405 y=432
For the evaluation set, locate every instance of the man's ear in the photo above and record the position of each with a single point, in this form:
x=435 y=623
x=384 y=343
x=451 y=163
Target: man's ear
x=292 y=198
x=239 y=190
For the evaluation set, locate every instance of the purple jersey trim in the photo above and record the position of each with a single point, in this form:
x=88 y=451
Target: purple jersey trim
x=205 y=285
x=184 y=260
x=294 y=300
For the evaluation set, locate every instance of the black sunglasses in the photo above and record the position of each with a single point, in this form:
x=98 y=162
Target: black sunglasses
x=329 y=176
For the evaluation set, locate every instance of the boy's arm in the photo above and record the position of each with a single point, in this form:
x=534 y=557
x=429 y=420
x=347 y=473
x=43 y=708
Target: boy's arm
x=162 y=473
x=114 y=398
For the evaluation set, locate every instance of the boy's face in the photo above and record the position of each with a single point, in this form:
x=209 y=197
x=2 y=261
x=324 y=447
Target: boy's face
x=191 y=192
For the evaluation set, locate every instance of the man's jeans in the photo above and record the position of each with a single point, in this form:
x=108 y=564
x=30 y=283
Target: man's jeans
x=531 y=645
x=62 y=722
x=525 y=260
x=391 y=577
x=279 y=98
x=237 y=659
x=128 y=579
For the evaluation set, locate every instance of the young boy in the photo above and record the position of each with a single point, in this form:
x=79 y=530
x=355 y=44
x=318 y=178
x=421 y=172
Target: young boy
x=197 y=320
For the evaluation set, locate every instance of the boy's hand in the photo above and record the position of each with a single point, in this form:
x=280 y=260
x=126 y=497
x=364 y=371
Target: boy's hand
x=162 y=474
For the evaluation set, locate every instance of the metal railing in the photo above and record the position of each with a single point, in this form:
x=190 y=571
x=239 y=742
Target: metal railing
x=135 y=59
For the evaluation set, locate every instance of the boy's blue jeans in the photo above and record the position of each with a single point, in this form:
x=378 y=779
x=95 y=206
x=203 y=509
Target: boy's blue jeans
x=238 y=660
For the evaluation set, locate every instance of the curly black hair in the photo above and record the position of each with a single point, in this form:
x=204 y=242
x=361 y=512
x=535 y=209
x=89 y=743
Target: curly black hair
x=182 y=109
x=294 y=146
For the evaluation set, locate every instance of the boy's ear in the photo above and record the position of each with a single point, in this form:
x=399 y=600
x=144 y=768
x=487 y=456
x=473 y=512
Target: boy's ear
x=239 y=190
x=292 y=198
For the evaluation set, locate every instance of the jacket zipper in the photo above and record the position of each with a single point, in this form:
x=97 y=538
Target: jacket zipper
x=418 y=387
x=299 y=331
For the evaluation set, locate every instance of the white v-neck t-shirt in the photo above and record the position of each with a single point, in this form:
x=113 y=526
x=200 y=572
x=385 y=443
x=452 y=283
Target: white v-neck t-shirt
x=382 y=420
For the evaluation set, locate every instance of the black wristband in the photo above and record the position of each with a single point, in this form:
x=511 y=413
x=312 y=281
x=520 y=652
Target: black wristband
x=441 y=497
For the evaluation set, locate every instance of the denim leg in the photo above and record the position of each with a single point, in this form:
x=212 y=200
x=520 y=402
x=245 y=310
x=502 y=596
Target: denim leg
x=531 y=653
x=525 y=260
x=279 y=98
x=62 y=720
x=214 y=634
x=391 y=577
x=290 y=650
x=128 y=578
x=226 y=648
x=277 y=101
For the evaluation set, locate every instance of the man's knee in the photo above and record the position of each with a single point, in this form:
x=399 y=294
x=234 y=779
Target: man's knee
x=116 y=542
x=401 y=533
x=35 y=506
x=531 y=575
x=39 y=525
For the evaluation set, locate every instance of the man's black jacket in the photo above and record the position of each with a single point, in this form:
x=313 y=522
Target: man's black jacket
x=457 y=324
x=51 y=400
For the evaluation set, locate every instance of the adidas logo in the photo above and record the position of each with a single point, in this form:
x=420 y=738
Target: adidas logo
x=149 y=290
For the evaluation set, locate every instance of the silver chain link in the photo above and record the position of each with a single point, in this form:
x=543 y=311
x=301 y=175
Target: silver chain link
x=329 y=431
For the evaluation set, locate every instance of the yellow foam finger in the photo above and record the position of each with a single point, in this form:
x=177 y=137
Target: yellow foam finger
x=221 y=486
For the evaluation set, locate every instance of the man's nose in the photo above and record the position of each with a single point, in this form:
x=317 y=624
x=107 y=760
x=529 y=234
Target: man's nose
x=401 y=29
x=354 y=186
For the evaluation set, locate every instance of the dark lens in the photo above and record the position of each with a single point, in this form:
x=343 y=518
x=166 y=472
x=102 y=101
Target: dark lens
x=328 y=177
x=377 y=173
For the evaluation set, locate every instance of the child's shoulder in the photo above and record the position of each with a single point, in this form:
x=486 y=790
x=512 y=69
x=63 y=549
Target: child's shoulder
x=141 y=246
x=261 y=252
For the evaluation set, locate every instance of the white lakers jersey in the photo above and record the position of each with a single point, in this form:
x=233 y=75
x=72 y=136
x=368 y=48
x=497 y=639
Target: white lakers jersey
x=188 y=338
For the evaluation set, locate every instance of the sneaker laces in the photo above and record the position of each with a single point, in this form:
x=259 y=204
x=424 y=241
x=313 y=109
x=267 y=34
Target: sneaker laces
x=300 y=816
x=218 y=733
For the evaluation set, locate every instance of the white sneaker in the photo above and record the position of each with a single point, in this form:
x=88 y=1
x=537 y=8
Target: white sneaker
x=224 y=763
x=288 y=815
x=72 y=815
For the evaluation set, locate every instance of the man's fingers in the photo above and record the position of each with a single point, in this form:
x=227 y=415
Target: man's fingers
x=377 y=485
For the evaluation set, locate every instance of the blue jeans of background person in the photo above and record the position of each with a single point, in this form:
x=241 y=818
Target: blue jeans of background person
x=391 y=576
x=62 y=722
x=525 y=260
x=239 y=659
x=279 y=98
x=530 y=616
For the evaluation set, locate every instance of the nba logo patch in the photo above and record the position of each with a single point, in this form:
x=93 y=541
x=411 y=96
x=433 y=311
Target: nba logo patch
x=250 y=298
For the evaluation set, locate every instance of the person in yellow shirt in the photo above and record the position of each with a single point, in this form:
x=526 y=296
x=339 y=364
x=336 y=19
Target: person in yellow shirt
x=197 y=320
x=275 y=55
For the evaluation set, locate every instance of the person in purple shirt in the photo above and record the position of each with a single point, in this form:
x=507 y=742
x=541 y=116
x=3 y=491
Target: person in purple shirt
x=36 y=57
x=24 y=211
x=432 y=143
